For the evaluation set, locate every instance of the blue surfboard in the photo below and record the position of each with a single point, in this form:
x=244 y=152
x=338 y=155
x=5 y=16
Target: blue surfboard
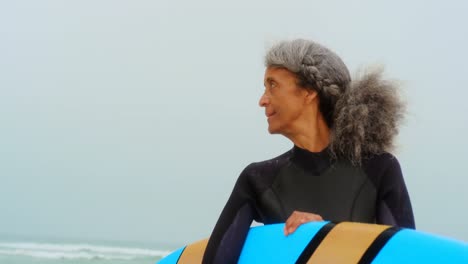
x=326 y=242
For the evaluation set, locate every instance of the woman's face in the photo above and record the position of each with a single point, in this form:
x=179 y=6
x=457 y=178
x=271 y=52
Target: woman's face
x=283 y=100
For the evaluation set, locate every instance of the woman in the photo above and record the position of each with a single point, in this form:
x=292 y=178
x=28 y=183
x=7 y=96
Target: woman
x=339 y=168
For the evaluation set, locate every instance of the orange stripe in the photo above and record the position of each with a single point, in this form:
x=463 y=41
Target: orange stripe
x=346 y=243
x=193 y=253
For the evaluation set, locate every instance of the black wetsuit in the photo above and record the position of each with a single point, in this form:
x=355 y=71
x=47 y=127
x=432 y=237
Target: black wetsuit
x=269 y=191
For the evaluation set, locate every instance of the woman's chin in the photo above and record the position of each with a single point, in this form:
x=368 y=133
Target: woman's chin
x=273 y=130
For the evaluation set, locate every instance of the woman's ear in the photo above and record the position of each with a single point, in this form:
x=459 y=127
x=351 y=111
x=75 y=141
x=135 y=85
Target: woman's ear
x=311 y=95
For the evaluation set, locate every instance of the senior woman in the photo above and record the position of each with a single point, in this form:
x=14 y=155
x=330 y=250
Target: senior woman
x=339 y=168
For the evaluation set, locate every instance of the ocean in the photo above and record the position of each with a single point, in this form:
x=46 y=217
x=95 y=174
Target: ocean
x=17 y=251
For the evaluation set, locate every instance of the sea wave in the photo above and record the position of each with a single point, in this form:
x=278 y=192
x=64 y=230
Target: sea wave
x=78 y=251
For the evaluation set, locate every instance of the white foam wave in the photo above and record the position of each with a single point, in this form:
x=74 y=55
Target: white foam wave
x=77 y=251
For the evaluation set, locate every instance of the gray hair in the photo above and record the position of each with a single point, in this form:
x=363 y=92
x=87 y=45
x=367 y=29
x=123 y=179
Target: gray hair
x=316 y=67
x=363 y=114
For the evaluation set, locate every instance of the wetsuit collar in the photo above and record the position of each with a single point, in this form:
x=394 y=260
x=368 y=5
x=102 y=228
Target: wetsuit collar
x=313 y=162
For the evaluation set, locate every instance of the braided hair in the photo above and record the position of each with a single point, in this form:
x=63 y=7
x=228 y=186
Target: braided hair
x=363 y=115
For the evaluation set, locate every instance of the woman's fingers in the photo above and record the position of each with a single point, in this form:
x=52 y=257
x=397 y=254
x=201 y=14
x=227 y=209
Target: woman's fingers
x=298 y=218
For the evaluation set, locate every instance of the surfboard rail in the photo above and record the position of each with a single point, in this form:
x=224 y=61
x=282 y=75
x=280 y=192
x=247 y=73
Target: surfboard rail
x=328 y=242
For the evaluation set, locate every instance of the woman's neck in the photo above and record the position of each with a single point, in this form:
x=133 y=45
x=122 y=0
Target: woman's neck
x=313 y=135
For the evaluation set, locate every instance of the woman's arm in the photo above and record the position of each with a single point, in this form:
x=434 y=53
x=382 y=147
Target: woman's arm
x=229 y=233
x=394 y=205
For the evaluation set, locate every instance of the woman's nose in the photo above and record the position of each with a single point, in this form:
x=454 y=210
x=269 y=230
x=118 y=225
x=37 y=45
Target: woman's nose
x=264 y=100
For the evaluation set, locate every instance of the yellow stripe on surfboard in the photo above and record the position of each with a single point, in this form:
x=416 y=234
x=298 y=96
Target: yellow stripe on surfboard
x=346 y=243
x=193 y=253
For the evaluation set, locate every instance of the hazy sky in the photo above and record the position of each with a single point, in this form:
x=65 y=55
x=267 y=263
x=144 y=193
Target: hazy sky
x=131 y=120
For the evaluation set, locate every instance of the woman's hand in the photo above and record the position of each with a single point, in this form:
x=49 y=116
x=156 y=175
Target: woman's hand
x=298 y=218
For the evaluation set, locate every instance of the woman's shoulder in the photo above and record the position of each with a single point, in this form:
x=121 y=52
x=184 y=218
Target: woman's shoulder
x=383 y=158
x=261 y=175
x=382 y=167
x=269 y=165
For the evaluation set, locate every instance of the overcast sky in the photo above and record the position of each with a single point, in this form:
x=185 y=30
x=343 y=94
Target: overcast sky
x=131 y=120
